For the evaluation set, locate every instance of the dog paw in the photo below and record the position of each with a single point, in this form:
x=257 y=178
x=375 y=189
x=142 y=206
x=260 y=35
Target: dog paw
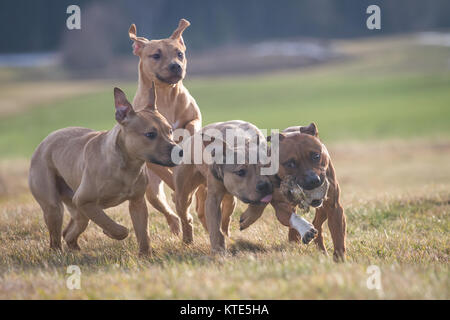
x=219 y=252
x=174 y=225
x=73 y=246
x=187 y=240
x=122 y=234
x=145 y=253
x=309 y=236
x=245 y=222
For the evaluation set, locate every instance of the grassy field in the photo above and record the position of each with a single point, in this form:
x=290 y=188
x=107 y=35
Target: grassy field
x=385 y=115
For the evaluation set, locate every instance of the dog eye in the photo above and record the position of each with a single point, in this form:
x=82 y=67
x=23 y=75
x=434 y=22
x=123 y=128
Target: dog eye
x=241 y=173
x=290 y=164
x=315 y=156
x=156 y=56
x=180 y=55
x=151 y=135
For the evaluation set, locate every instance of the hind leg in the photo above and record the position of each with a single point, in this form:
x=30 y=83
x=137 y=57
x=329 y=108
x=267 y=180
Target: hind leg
x=200 y=197
x=44 y=189
x=157 y=198
x=53 y=216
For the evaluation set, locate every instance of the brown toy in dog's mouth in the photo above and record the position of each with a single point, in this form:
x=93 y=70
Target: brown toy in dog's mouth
x=301 y=197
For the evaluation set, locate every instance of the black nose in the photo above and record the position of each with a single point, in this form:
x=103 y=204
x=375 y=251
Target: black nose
x=175 y=68
x=264 y=187
x=312 y=181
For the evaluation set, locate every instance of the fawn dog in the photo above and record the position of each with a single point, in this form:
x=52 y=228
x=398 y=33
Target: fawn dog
x=89 y=171
x=223 y=180
x=164 y=62
x=305 y=160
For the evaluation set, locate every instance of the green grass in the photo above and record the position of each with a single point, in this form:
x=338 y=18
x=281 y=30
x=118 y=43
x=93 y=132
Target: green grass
x=343 y=106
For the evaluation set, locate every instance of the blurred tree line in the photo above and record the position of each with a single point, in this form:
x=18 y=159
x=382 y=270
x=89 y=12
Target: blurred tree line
x=28 y=26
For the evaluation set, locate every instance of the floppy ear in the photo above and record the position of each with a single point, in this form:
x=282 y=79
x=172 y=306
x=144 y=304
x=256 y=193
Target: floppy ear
x=138 y=42
x=151 y=105
x=311 y=130
x=177 y=34
x=216 y=168
x=123 y=108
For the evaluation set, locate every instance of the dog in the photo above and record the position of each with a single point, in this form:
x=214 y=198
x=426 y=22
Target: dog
x=89 y=171
x=164 y=62
x=223 y=180
x=305 y=160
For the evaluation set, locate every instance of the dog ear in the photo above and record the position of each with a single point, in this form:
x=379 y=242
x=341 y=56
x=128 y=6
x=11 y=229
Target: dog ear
x=216 y=168
x=151 y=105
x=311 y=130
x=177 y=34
x=138 y=42
x=123 y=108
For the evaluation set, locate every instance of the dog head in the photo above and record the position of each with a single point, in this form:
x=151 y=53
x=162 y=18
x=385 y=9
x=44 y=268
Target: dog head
x=147 y=135
x=304 y=162
x=161 y=60
x=244 y=181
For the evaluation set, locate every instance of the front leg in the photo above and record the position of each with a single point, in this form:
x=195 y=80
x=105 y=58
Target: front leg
x=214 y=198
x=287 y=216
x=111 y=228
x=193 y=126
x=336 y=218
x=251 y=214
x=139 y=217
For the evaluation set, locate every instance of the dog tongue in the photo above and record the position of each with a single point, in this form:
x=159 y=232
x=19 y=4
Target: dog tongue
x=266 y=199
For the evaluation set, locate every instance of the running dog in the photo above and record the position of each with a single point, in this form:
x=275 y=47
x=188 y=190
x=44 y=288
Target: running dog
x=90 y=171
x=224 y=179
x=164 y=62
x=306 y=168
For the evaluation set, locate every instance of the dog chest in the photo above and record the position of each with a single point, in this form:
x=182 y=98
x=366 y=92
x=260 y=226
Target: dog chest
x=118 y=190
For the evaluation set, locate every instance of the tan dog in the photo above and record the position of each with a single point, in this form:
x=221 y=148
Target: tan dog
x=90 y=170
x=305 y=159
x=164 y=62
x=243 y=181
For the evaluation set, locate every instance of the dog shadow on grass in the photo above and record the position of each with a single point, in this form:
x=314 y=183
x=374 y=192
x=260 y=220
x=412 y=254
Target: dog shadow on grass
x=124 y=255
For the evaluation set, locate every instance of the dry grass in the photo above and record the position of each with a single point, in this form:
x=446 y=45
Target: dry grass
x=397 y=200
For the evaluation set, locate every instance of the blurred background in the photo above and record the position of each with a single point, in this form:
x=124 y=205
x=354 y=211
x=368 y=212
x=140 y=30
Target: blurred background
x=246 y=36
x=273 y=63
